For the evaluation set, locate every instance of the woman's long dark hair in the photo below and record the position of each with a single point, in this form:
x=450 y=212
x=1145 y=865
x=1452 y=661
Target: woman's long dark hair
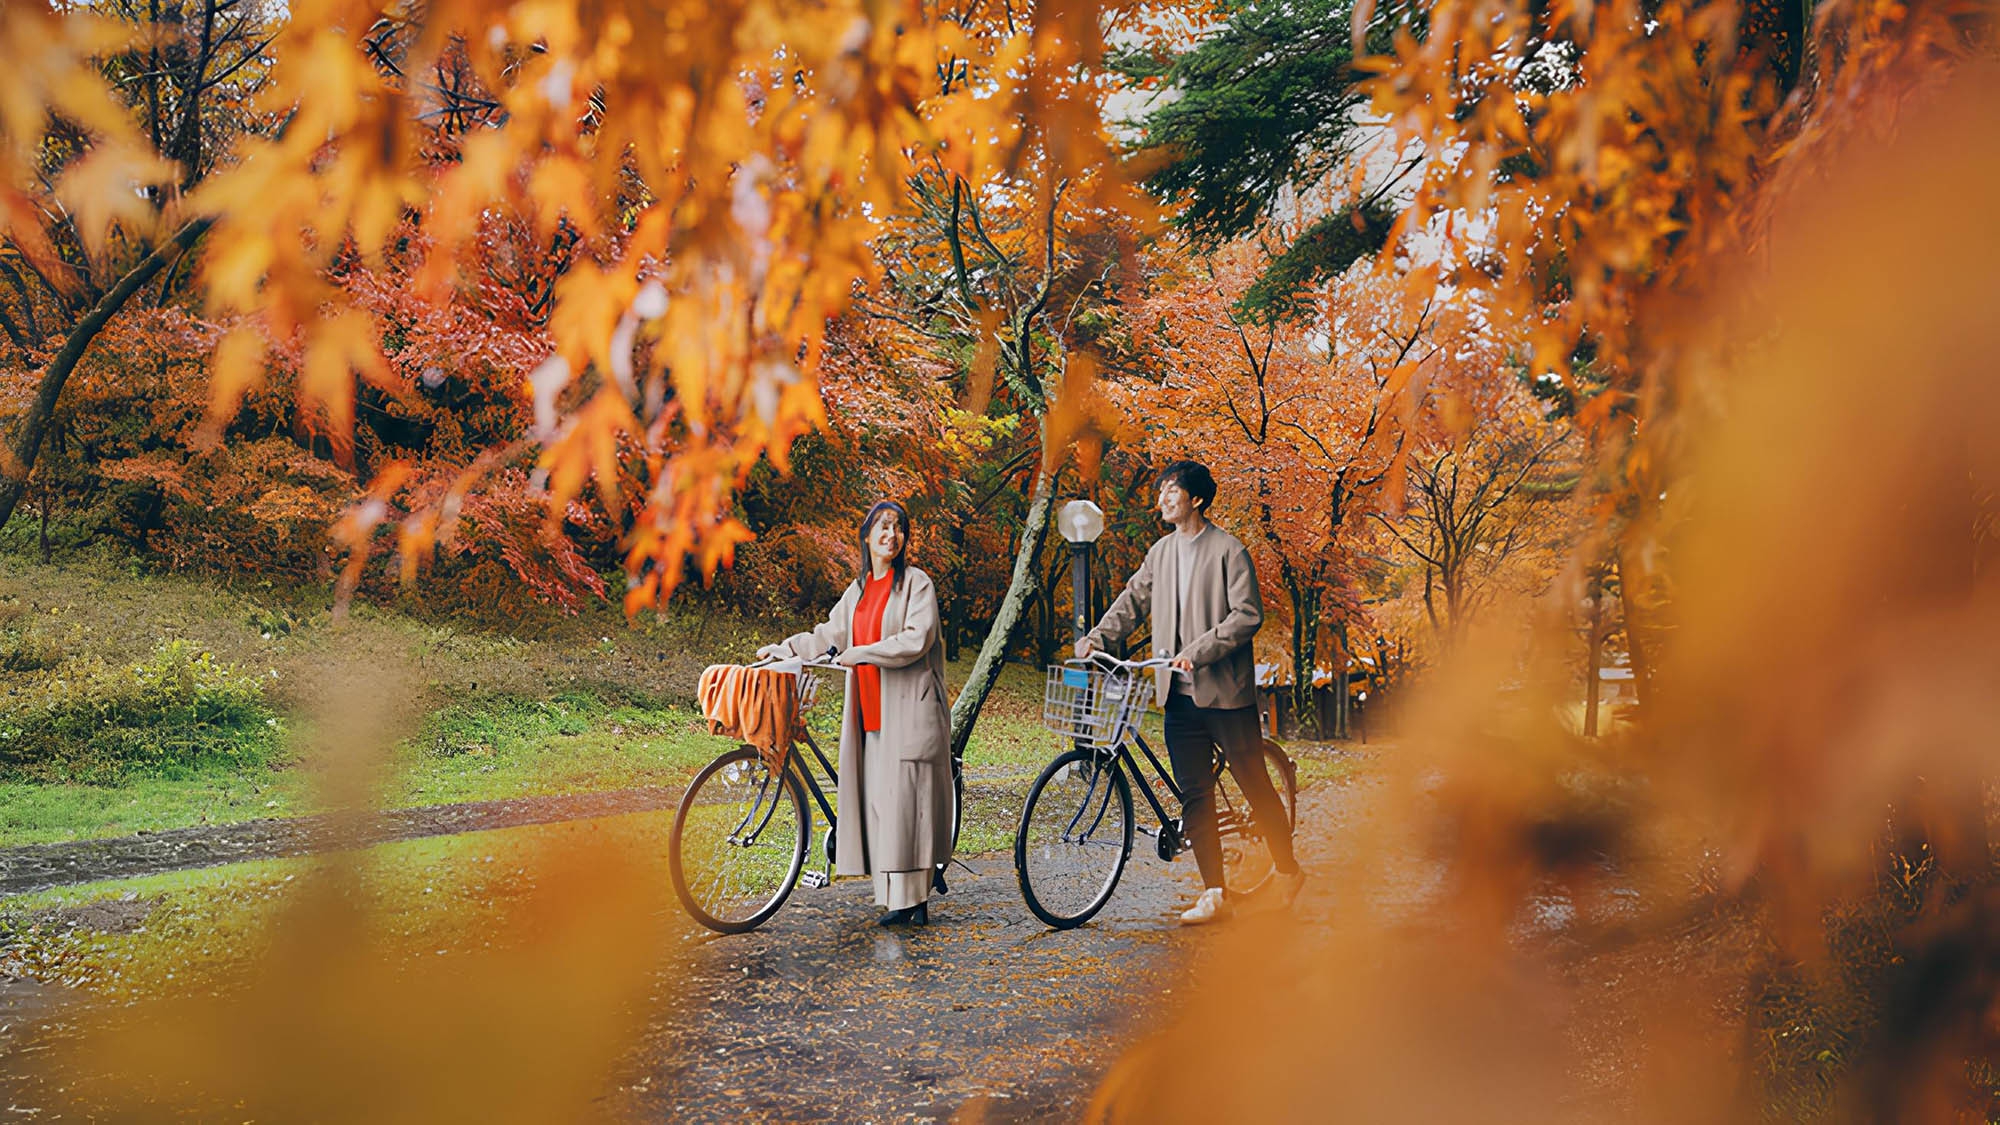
x=901 y=562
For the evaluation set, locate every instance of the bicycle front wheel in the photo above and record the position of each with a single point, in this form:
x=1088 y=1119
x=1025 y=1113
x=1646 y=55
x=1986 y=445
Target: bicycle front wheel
x=739 y=842
x=1246 y=856
x=1075 y=835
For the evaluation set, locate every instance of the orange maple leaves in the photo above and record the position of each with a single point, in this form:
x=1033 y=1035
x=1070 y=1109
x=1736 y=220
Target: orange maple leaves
x=725 y=167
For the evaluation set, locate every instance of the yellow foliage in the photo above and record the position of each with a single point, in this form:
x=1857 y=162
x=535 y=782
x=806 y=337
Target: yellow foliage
x=741 y=154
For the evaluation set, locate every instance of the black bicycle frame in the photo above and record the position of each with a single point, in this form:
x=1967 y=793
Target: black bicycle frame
x=1139 y=775
x=812 y=783
x=806 y=775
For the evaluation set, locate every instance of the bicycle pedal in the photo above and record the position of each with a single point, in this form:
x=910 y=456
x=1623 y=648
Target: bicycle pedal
x=814 y=879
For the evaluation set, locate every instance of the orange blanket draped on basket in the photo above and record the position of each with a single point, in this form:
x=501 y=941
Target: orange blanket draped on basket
x=758 y=705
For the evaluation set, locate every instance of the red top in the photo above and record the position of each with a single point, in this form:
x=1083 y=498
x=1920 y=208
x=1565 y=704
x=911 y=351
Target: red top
x=866 y=631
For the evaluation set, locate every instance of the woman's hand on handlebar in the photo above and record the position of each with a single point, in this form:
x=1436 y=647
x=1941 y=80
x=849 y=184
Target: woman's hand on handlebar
x=1084 y=647
x=774 y=652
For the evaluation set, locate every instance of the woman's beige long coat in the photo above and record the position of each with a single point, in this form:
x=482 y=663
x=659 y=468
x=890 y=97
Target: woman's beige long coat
x=911 y=826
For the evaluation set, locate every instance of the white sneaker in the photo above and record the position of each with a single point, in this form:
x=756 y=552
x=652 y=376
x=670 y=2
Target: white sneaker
x=1285 y=888
x=1208 y=908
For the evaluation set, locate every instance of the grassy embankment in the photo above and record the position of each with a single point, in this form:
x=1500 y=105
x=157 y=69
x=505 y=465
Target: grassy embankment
x=146 y=702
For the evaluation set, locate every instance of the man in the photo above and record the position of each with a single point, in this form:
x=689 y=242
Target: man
x=1200 y=590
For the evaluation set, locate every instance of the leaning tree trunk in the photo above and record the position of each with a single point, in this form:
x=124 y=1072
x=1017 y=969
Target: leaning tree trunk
x=993 y=652
x=17 y=460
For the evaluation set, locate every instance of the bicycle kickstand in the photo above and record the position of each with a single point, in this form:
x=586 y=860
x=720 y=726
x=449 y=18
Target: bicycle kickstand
x=824 y=876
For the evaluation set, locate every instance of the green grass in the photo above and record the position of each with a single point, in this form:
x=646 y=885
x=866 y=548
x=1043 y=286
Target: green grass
x=491 y=748
x=1324 y=762
x=203 y=930
x=512 y=747
x=40 y=814
x=1009 y=740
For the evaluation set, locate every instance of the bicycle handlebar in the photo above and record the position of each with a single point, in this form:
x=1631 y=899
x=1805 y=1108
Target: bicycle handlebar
x=821 y=665
x=1106 y=660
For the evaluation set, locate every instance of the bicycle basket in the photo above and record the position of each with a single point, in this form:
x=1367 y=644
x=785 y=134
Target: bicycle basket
x=1091 y=705
x=809 y=683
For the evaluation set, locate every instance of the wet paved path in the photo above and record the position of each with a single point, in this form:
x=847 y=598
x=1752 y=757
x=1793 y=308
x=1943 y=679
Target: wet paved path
x=824 y=1015
x=39 y=867
x=36 y=867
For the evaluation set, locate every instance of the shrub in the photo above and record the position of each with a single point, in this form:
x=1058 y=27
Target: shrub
x=175 y=715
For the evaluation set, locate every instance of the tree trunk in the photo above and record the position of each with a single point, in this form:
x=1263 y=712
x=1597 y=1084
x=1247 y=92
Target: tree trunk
x=1305 y=656
x=993 y=651
x=954 y=614
x=45 y=522
x=1596 y=654
x=1638 y=643
x=1342 y=658
x=17 y=459
x=187 y=144
x=1430 y=601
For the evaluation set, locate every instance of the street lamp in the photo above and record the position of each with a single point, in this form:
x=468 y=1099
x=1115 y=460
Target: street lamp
x=1080 y=522
x=1361 y=713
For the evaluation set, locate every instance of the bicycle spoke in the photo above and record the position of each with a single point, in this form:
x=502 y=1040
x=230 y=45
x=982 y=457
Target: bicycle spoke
x=1073 y=838
x=738 y=838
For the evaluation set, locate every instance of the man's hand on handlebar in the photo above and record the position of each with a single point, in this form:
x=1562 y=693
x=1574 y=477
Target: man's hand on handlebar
x=773 y=652
x=1084 y=647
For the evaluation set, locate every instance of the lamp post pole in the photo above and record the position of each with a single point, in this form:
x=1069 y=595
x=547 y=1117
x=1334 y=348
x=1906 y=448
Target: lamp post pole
x=1080 y=523
x=1079 y=588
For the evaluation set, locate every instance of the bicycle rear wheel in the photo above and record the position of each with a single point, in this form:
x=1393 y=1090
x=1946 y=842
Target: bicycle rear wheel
x=1246 y=857
x=957 y=800
x=1075 y=836
x=738 y=842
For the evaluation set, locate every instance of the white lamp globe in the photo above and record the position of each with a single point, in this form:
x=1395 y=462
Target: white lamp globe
x=1080 y=521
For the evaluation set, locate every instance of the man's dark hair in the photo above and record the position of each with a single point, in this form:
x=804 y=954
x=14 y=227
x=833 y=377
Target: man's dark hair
x=1194 y=479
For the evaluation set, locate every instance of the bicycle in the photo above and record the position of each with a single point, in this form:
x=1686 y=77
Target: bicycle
x=1077 y=828
x=742 y=831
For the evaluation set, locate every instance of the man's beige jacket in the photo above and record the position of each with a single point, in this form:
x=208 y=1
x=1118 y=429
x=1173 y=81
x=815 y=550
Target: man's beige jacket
x=1224 y=611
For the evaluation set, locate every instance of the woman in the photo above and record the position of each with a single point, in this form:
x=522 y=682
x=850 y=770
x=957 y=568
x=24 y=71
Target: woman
x=895 y=740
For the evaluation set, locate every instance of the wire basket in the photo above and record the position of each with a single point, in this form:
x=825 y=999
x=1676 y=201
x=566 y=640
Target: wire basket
x=808 y=679
x=1092 y=705
x=809 y=683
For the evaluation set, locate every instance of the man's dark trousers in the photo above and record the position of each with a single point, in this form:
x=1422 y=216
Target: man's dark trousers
x=1193 y=735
